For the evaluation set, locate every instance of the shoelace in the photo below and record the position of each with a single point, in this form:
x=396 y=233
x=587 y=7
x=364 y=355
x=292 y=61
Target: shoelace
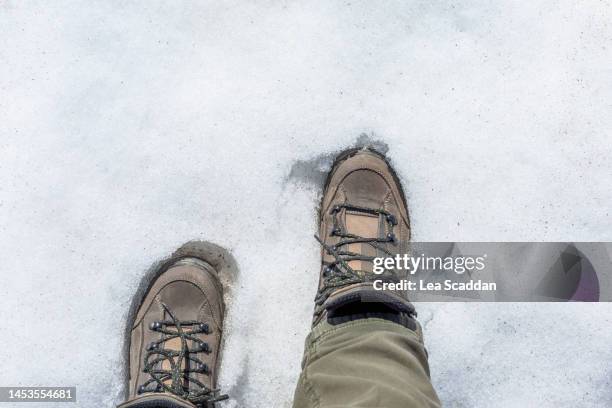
x=200 y=395
x=338 y=273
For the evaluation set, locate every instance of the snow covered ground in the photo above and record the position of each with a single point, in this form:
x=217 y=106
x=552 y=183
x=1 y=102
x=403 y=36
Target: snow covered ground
x=129 y=128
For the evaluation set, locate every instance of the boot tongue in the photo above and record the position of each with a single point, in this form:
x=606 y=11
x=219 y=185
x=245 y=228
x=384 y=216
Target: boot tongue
x=366 y=226
x=180 y=296
x=175 y=345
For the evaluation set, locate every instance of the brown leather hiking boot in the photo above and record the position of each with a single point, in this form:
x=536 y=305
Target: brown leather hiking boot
x=175 y=336
x=363 y=215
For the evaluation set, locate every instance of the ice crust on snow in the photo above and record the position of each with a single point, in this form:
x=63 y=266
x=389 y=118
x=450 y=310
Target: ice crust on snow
x=129 y=129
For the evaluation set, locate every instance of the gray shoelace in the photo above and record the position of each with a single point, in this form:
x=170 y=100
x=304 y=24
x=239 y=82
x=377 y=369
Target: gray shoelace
x=338 y=273
x=184 y=363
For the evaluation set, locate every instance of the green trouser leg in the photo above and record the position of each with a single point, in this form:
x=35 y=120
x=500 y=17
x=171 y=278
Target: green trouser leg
x=365 y=363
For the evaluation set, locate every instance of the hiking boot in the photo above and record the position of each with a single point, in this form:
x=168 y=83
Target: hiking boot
x=175 y=337
x=363 y=215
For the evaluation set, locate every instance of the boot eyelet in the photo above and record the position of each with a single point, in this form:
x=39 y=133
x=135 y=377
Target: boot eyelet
x=391 y=218
x=202 y=347
x=152 y=346
x=155 y=326
x=326 y=271
x=391 y=237
x=204 y=328
x=141 y=389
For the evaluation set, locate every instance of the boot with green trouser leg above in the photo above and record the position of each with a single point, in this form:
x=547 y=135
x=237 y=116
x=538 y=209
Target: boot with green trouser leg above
x=366 y=347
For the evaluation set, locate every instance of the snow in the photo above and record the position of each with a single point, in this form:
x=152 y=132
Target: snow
x=131 y=128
